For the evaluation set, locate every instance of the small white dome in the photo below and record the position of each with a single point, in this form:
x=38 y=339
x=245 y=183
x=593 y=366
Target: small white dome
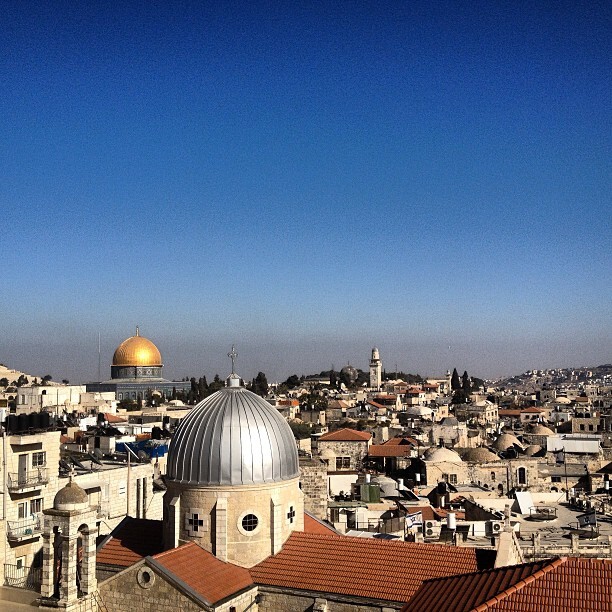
x=442 y=454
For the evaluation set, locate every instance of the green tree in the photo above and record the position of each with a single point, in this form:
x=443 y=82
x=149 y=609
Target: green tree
x=216 y=384
x=22 y=381
x=300 y=431
x=47 y=378
x=465 y=382
x=202 y=388
x=127 y=404
x=260 y=385
x=455 y=380
x=292 y=382
x=4 y=382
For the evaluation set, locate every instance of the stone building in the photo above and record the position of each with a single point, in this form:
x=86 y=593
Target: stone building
x=32 y=481
x=344 y=449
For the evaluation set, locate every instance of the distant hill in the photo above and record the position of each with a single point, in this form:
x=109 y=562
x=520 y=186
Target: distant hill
x=12 y=375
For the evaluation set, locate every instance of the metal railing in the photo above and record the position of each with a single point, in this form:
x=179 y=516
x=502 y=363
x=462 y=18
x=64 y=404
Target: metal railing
x=31 y=478
x=23 y=577
x=25 y=528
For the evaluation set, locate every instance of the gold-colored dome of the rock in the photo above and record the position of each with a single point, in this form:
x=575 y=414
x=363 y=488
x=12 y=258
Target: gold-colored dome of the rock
x=137 y=351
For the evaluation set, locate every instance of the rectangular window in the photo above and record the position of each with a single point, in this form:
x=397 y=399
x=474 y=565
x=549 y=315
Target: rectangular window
x=452 y=478
x=20 y=562
x=36 y=505
x=22 y=510
x=39 y=459
x=556 y=479
x=343 y=463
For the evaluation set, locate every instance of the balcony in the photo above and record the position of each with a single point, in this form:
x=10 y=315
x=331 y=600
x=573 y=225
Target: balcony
x=22 y=577
x=25 y=529
x=27 y=481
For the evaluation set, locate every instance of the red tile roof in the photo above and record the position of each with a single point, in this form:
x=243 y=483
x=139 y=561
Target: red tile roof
x=389 y=450
x=379 y=569
x=130 y=541
x=427 y=512
x=401 y=441
x=314 y=525
x=561 y=585
x=114 y=418
x=212 y=579
x=346 y=435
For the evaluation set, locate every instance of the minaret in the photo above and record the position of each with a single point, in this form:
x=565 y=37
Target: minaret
x=375 y=370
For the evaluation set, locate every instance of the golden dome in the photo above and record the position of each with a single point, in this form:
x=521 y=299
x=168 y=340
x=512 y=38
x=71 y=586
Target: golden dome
x=137 y=351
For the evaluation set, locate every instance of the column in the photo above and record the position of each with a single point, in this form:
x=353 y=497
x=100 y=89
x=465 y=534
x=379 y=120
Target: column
x=221 y=529
x=88 y=564
x=145 y=496
x=46 y=588
x=277 y=525
x=68 y=590
x=138 y=498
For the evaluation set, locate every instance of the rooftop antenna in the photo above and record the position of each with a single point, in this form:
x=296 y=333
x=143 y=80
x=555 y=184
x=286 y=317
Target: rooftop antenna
x=99 y=360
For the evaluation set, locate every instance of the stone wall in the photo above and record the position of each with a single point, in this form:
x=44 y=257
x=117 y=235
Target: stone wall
x=127 y=591
x=355 y=450
x=282 y=601
x=123 y=593
x=313 y=481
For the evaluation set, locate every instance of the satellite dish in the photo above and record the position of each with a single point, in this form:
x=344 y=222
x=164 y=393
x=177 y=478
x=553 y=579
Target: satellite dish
x=142 y=455
x=98 y=453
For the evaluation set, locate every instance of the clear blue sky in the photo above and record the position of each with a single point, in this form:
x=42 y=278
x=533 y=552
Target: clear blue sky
x=306 y=180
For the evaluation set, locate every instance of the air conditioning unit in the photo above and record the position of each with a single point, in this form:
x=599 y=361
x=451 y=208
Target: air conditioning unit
x=496 y=527
x=431 y=529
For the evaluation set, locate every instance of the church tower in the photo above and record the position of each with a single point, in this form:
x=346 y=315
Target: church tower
x=375 y=369
x=69 y=551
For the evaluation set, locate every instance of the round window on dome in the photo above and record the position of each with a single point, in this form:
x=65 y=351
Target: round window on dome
x=250 y=522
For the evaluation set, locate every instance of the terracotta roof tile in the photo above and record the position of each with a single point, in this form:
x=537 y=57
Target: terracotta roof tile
x=114 y=418
x=130 y=541
x=211 y=578
x=561 y=585
x=314 y=525
x=379 y=569
x=346 y=435
x=389 y=450
x=402 y=440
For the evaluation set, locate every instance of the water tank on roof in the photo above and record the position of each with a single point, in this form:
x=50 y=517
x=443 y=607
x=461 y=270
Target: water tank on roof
x=11 y=423
x=22 y=423
x=45 y=420
x=34 y=420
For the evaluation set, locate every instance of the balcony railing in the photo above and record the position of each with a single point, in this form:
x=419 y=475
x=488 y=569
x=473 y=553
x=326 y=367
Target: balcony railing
x=28 y=480
x=23 y=529
x=23 y=577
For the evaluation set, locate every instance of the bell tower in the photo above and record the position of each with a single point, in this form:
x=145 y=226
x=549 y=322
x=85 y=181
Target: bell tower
x=69 y=550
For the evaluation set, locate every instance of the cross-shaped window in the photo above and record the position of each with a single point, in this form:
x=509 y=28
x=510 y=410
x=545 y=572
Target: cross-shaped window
x=195 y=522
x=291 y=514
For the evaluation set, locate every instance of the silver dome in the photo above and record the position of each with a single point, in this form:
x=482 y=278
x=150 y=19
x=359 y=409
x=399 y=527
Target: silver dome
x=233 y=437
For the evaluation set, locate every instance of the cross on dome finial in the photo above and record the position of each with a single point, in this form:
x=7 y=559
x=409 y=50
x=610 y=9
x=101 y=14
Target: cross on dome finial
x=232 y=355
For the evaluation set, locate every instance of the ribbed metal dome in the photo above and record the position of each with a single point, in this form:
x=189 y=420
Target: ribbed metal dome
x=233 y=437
